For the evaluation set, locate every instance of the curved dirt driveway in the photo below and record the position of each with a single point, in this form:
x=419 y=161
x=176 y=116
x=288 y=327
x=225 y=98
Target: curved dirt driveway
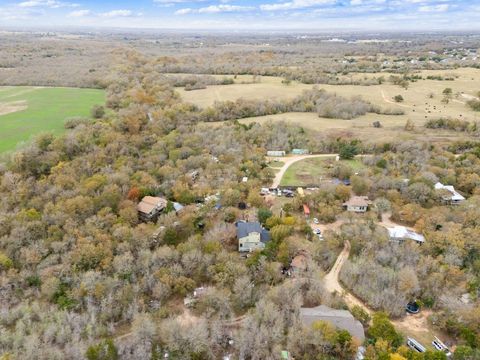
x=289 y=160
x=413 y=325
x=332 y=284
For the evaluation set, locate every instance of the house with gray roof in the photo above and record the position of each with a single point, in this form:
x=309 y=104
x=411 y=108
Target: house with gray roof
x=341 y=319
x=251 y=236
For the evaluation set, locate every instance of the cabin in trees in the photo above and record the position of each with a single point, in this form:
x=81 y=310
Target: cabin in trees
x=150 y=208
x=401 y=233
x=341 y=319
x=358 y=204
x=276 y=153
x=300 y=152
x=251 y=236
x=450 y=195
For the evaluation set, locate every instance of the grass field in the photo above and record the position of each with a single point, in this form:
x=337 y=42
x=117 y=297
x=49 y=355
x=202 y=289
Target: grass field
x=418 y=104
x=27 y=111
x=313 y=171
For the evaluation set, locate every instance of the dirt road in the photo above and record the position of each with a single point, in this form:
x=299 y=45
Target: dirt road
x=332 y=284
x=387 y=100
x=289 y=160
x=409 y=325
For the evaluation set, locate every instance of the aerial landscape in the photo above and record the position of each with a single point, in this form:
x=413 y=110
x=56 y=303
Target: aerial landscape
x=240 y=180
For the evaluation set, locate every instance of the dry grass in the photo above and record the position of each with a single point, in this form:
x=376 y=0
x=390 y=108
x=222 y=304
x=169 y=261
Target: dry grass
x=269 y=88
x=418 y=106
x=12 y=106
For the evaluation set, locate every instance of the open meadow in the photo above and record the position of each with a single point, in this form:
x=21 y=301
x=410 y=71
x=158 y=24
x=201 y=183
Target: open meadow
x=422 y=100
x=28 y=111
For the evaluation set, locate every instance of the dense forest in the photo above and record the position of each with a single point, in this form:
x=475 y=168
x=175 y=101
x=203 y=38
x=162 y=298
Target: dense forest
x=81 y=277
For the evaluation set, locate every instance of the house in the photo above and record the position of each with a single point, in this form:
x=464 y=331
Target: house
x=358 y=204
x=341 y=319
x=276 y=153
x=150 y=207
x=300 y=151
x=251 y=236
x=401 y=233
x=451 y=196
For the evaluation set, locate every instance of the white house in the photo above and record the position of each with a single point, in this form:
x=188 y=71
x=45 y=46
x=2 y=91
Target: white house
x=251 y=236
x=358 y=204
x=401 y=233
x=451 y=195
x=276 y=153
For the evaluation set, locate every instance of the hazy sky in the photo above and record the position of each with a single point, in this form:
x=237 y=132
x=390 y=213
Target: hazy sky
x=247 y=14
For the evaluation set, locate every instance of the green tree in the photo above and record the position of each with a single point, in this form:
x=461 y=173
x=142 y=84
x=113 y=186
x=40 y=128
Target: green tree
x=263 y=215
x=382 y=328
x=348 y=151
x=398 y=98
x=105 y=350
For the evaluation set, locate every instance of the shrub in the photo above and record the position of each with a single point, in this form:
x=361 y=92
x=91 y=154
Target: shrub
x=398 y=98
x=98 y=111
x=105 y=350
x=474 y=105
x=5 y=262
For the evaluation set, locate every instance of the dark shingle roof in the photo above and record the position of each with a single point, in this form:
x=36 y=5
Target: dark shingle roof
x=245 y=228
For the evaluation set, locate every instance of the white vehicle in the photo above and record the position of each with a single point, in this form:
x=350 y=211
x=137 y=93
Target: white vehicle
x=317 y=231
x=264 y=191
x=415 y=345
x=315 y=221
x=440 y=346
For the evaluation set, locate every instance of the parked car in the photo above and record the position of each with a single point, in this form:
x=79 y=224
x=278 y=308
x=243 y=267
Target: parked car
x=440 y=346
x=412 y=307
x=315 y=221
x=317 y=231
x=415 y=345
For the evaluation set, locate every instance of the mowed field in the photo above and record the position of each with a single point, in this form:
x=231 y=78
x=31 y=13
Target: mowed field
x=314 y=171
x=422 y=101
x=28 y=111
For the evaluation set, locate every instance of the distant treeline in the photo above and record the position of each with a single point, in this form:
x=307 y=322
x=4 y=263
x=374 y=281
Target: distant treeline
x=196 y=82
x=316 y=100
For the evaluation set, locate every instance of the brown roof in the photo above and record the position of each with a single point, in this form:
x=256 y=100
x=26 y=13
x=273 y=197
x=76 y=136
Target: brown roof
x=358 y=201
x=149 y=203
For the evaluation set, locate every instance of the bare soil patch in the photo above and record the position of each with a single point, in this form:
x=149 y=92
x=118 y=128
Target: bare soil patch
x=12 y=106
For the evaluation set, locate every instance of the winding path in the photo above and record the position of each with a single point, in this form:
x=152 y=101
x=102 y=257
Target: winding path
x=409 y=325
x=332 y=284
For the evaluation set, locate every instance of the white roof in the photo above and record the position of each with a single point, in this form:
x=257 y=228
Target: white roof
x=455 y=195
x=401 y=232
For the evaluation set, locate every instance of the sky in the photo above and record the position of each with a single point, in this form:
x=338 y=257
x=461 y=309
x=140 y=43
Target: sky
x=233 y=15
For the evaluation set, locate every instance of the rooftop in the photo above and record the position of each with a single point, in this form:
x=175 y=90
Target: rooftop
x=245 y=228
x=342 y=319
x=358 y=201
x=401 y=232
x=455 y=195
x=149 y=203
